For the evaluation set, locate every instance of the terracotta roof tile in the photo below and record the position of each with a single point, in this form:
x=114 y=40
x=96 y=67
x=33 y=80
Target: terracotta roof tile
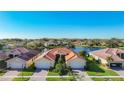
x=104 y=53
x=69 y=54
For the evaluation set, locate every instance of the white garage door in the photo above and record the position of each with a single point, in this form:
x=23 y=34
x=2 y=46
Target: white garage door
x=43 y=65
x=16 y=65
x=76 y=65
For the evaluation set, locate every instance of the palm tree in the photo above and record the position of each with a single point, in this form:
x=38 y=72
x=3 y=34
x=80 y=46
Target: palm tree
x=109 y=58
x=83 y=53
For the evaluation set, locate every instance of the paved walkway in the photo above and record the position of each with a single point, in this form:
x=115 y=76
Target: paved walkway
x=86 y=77
x=39 y=75
x=105 y=76
x=82 y=76
x=119 y=71
x=9 y=75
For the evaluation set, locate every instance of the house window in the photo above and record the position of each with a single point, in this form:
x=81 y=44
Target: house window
x=122 y=55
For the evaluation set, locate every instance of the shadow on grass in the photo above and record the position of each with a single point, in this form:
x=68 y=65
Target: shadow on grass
x=94 y=67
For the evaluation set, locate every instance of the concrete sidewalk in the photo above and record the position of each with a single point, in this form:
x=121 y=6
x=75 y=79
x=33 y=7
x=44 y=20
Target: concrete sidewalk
x=82 y=76
x=39 y=75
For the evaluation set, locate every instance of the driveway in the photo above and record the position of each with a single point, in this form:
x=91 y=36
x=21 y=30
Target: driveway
x=81 y=75
x=9 y=75
x=39 y=75
x=120 y=71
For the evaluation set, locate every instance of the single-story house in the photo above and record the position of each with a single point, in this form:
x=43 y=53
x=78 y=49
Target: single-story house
x=47 y=60
x=17 y=51
x=113 y=57
x=23 y=61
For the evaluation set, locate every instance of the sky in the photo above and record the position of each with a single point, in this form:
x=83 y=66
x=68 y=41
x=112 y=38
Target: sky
x=61 y=24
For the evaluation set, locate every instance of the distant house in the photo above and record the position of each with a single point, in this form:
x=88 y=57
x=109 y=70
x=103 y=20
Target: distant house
x=77 y=43
x=50 y=43
x=113 y=57
x=54 y=43
x=9 y=46
x=47 y=60
x=17 y=52
x=23 y=61
x=3 y=55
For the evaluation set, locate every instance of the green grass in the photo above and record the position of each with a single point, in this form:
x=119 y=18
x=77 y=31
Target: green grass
x=25 y=72
x=52 y=74
x=118 y=79
x=93 y=66
x=94 y=69
x=60 y=79
x=105 y=73
x=108 y=79
x=2 y=73
x=2 y=64
x=21 y=79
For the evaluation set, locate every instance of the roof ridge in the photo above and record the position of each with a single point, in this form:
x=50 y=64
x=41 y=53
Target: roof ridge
x=107 y=50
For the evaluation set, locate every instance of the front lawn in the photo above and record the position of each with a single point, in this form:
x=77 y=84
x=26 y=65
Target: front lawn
x=2 y=73
x=95 y=69
x=108 y=79
x=50 y=73
x=25 y=72
x=105 y=73
x=60 y=79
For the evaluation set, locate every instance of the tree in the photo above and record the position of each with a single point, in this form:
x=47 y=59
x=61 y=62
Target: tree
x=60 y=66
x=56 y=59
x=113 y=43
x=109 y=58
x=98 y=61
x=83 y=53
x=1 y=46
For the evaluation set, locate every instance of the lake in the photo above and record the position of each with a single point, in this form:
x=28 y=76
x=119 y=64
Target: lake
x=87 y=49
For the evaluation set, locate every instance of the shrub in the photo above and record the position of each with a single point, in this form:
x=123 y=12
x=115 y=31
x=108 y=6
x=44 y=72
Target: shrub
x=98 y=61
x=32 y=67
x=56 y=59
x=92 y=66
x=51 y=69
x=83 y=53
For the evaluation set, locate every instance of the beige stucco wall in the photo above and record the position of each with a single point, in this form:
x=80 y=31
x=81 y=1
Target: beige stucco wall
x=32 y=60
x=14 y=61
x=103 y=61
x=80 y=61
x=41 y=61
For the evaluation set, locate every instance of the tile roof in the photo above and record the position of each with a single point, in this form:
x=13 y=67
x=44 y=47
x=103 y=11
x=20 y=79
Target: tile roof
x=69 y=54
x=29 y=55
x=18 y=51
x=104 y=53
